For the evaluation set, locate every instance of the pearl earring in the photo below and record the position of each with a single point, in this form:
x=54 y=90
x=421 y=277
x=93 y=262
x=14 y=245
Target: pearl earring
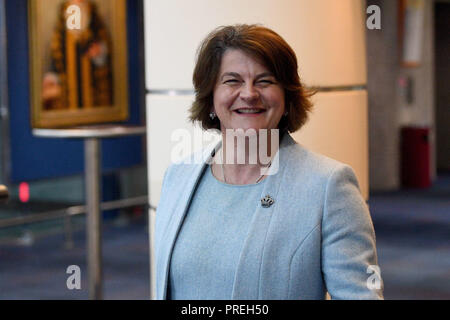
x=212 y=115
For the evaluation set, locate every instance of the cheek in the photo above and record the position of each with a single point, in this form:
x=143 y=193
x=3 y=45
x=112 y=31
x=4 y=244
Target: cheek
x=277 y=100
x=223 y=98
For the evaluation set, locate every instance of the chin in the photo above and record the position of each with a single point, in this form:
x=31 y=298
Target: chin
x=245 y=128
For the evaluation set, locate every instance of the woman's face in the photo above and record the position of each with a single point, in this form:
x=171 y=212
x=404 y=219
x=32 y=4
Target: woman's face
x=246 y=94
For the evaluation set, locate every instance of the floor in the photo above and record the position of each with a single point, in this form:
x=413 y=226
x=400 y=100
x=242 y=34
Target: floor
x=413 y=241
x=36 y=269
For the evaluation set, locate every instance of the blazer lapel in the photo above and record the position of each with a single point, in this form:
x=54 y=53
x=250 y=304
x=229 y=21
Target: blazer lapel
x=248 y=274
x=168 y=239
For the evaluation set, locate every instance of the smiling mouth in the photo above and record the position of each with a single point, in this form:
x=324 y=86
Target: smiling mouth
x=249 y=111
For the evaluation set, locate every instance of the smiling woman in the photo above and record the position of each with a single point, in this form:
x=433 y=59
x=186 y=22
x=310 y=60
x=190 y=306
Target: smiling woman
x=233 y=230
x=247 y=95
x=268 y=52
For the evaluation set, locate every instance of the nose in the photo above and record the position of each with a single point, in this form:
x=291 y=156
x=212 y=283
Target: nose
x=249 y=93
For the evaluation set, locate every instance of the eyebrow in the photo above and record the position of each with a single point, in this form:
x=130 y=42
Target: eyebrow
x=265 y=74
x=237 y=75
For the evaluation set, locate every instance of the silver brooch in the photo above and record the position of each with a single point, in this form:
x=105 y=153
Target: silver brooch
x=267 y=201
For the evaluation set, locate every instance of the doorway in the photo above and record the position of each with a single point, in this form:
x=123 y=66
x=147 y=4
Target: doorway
x=442 y=80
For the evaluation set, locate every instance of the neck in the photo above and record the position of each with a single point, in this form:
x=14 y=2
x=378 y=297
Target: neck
x=244 y=159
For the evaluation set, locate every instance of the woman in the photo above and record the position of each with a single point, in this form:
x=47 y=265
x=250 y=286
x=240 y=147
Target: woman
x=232 y=230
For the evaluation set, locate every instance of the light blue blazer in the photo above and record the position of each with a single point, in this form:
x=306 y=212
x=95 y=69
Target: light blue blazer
x=317 y=236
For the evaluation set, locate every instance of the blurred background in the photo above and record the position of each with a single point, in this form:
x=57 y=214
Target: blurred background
x=382 y=71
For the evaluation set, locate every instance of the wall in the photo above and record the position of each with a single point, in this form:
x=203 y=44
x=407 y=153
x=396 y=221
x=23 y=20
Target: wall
x=388 y=110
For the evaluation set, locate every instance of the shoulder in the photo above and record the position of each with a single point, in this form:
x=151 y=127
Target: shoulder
x=311 y=168
x=185 y=168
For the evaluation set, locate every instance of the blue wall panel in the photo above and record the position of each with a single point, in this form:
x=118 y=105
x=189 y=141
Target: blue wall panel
x=40 y=158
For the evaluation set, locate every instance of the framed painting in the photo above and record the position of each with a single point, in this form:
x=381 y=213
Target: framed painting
x=78 y=62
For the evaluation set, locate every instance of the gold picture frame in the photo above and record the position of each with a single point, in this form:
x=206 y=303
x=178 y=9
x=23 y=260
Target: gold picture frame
x=78 y=68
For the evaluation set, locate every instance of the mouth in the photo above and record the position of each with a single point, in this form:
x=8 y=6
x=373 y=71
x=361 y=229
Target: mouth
x=249 y=111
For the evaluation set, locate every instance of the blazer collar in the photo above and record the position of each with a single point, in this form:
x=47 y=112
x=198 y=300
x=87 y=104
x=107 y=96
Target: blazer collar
x=246 y=282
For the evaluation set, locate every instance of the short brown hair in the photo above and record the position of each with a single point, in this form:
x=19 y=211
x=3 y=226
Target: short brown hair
x=265 y=45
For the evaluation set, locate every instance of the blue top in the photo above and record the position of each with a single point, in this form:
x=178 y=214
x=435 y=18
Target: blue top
x=207 y=250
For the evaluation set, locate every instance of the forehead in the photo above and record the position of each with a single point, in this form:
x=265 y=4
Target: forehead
x=236 y=60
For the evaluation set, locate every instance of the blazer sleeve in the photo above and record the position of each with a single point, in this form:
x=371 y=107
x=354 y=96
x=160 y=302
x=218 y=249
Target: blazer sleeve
x=349 y=257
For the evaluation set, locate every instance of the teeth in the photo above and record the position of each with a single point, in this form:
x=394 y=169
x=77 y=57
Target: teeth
x=249 y=110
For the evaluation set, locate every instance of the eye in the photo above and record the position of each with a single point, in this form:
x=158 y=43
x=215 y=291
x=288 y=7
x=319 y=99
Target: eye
x=231 y=81
x=266 y=81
